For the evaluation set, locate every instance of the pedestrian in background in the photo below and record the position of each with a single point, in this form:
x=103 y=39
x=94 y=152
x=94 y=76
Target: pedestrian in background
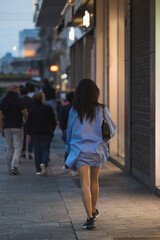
x=50 y=98
x=63 y=120
x=28 y=102
x=31 y=89
x=12 y=112
x=50 y=94
x=38 y=89
x=41 y=124
x=64 y=114
x=85 y=146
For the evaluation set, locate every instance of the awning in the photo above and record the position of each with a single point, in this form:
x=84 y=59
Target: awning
x=48 y=12
x=78 y=4
x=68 y=15
x=73 y=14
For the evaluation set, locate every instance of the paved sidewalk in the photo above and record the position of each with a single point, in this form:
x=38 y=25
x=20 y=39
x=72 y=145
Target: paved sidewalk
x=50 y=208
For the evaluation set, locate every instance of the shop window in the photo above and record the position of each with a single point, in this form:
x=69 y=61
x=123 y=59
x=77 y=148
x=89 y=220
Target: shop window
x=117 y=75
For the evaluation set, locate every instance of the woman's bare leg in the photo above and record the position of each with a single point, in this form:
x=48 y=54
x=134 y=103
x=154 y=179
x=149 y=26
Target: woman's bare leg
x=84 y=174
x=94 y=187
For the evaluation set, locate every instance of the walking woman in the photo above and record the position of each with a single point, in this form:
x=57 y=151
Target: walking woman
x=86 y=149
x=41 y=124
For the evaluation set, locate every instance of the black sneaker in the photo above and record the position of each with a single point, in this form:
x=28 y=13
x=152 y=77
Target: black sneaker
x=89 y=224
x=96 y=214
x=15 y=171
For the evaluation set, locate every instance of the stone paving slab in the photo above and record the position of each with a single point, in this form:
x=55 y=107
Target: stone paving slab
x=50 y=208
x=31 y=206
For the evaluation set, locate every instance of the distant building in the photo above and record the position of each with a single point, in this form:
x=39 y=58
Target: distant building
x=26 y=35
x=29 y=62
x=21 y=66
x=31 y=46
x=6 y=61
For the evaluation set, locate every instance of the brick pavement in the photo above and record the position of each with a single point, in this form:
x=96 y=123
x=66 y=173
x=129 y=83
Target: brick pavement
x=50 y=208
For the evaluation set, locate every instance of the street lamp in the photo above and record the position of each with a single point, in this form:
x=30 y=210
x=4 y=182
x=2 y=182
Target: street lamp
x=54 y=68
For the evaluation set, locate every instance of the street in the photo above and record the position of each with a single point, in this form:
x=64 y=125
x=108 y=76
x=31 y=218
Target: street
x=50 y=208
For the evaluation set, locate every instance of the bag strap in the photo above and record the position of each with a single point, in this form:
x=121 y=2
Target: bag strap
x=104 y=114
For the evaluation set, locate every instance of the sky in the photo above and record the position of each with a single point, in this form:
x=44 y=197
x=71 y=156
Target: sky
x=15 y=15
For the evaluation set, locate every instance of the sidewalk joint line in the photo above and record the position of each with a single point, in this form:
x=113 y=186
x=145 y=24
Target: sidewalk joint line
x=74 y=230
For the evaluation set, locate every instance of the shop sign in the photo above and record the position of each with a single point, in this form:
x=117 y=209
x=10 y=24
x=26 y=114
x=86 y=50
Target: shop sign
x=35 y=72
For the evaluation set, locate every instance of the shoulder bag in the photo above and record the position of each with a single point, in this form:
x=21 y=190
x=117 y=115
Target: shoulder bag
x=105 y=128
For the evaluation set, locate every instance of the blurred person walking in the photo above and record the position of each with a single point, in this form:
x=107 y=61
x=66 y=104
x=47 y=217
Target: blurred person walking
x=28 y=102
x=38 y=89
x=64 y=114
x=12 y=111
x=63 y=120
x=50 y=98
x=41 y=124
x=31 y=89
x=50 y=94
x=85 y=146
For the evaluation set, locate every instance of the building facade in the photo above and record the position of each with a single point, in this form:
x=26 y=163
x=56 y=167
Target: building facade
x=119 y=48
x=27 y=36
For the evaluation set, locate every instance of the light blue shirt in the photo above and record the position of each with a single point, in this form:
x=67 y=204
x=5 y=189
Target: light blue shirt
x=84 y=140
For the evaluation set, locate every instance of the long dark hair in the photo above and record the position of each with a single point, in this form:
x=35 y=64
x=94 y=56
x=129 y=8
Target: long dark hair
x=86 y=99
